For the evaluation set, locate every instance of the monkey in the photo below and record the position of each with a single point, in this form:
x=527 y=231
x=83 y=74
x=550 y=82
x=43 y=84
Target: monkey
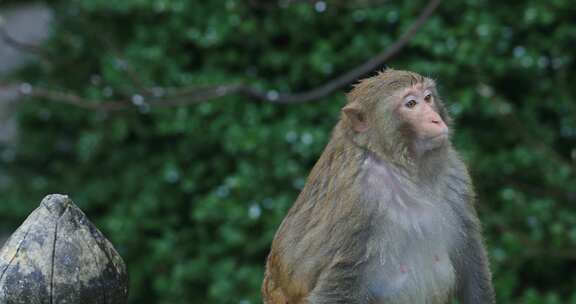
x=387 y=214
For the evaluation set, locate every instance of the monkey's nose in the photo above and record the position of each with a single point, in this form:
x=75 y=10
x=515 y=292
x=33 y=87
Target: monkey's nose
x=436 y=123
x=435 y=119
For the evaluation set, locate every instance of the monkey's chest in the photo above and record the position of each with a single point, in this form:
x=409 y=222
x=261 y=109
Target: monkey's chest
x=415 y=267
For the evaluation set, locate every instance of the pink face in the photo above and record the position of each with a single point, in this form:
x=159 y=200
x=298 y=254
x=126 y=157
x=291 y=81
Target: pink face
x=416 y=106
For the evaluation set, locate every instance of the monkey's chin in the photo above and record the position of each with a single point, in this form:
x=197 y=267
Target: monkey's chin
x=440 y=139
x=432 y=143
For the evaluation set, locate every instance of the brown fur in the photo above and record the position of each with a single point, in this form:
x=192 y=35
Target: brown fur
x=378 y=222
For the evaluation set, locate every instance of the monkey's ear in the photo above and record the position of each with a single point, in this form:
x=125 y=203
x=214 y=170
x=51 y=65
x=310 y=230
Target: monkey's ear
x=356 y=117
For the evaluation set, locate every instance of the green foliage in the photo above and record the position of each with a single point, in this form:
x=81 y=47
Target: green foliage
x=191 y=196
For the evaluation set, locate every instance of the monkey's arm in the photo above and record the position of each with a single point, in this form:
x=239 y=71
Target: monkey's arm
x=316 y=267
x=338 y=285
x=473 y=273
x=474 y=280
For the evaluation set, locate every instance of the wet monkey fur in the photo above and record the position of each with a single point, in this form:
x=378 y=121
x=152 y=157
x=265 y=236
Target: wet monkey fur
x=387 y=214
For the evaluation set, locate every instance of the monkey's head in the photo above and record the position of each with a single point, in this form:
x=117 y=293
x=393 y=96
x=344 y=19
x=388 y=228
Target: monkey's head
x=397 y=112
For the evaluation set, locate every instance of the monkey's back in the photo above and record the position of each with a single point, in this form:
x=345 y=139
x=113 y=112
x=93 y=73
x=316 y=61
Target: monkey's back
x=297 y=258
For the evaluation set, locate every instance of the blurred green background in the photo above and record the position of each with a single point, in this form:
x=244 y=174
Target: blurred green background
x=192 y=195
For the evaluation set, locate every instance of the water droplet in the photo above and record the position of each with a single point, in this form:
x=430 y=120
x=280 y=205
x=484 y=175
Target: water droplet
x=519 y=51
x=320 y=6
x=485 y=90
x=272 y=95
x=527 y=61
x=222 y=191
x=307 y=138
x=254 y=212
x=172 y=176
x=392 y=16
x=483 y=30
x=26 y=88
x=291 y=136
x=120 y=64
x=138 y=100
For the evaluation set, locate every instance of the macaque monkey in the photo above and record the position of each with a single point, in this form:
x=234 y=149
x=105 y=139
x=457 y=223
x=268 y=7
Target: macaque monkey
x=387 y=214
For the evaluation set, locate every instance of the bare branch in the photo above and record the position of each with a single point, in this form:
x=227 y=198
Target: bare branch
x=195 y=94
x=22 y=46
x=187 y=96
x=26 y=90
x=357 y=72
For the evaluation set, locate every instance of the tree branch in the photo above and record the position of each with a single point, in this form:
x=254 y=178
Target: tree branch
x=22 y=46
x=359 y=71
x=25 y=89
x=195 y=94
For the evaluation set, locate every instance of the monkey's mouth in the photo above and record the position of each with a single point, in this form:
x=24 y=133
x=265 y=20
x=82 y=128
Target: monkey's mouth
x=440 y=137
x=434 y=142
x=437 y=138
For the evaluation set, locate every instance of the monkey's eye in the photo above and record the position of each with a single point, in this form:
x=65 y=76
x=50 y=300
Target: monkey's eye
x=428 y=98
x=410 y=103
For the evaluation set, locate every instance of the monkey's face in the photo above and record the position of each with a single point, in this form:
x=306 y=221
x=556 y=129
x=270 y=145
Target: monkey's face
x=418 y=111
x=398 y=110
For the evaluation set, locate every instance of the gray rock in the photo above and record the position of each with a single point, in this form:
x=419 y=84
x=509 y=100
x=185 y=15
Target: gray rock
x=59 y=256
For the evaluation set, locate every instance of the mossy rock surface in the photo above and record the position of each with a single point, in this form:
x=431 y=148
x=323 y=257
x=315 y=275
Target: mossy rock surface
x=59 y=256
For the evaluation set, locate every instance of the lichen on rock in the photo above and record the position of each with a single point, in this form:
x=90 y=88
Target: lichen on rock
x=58 y=256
